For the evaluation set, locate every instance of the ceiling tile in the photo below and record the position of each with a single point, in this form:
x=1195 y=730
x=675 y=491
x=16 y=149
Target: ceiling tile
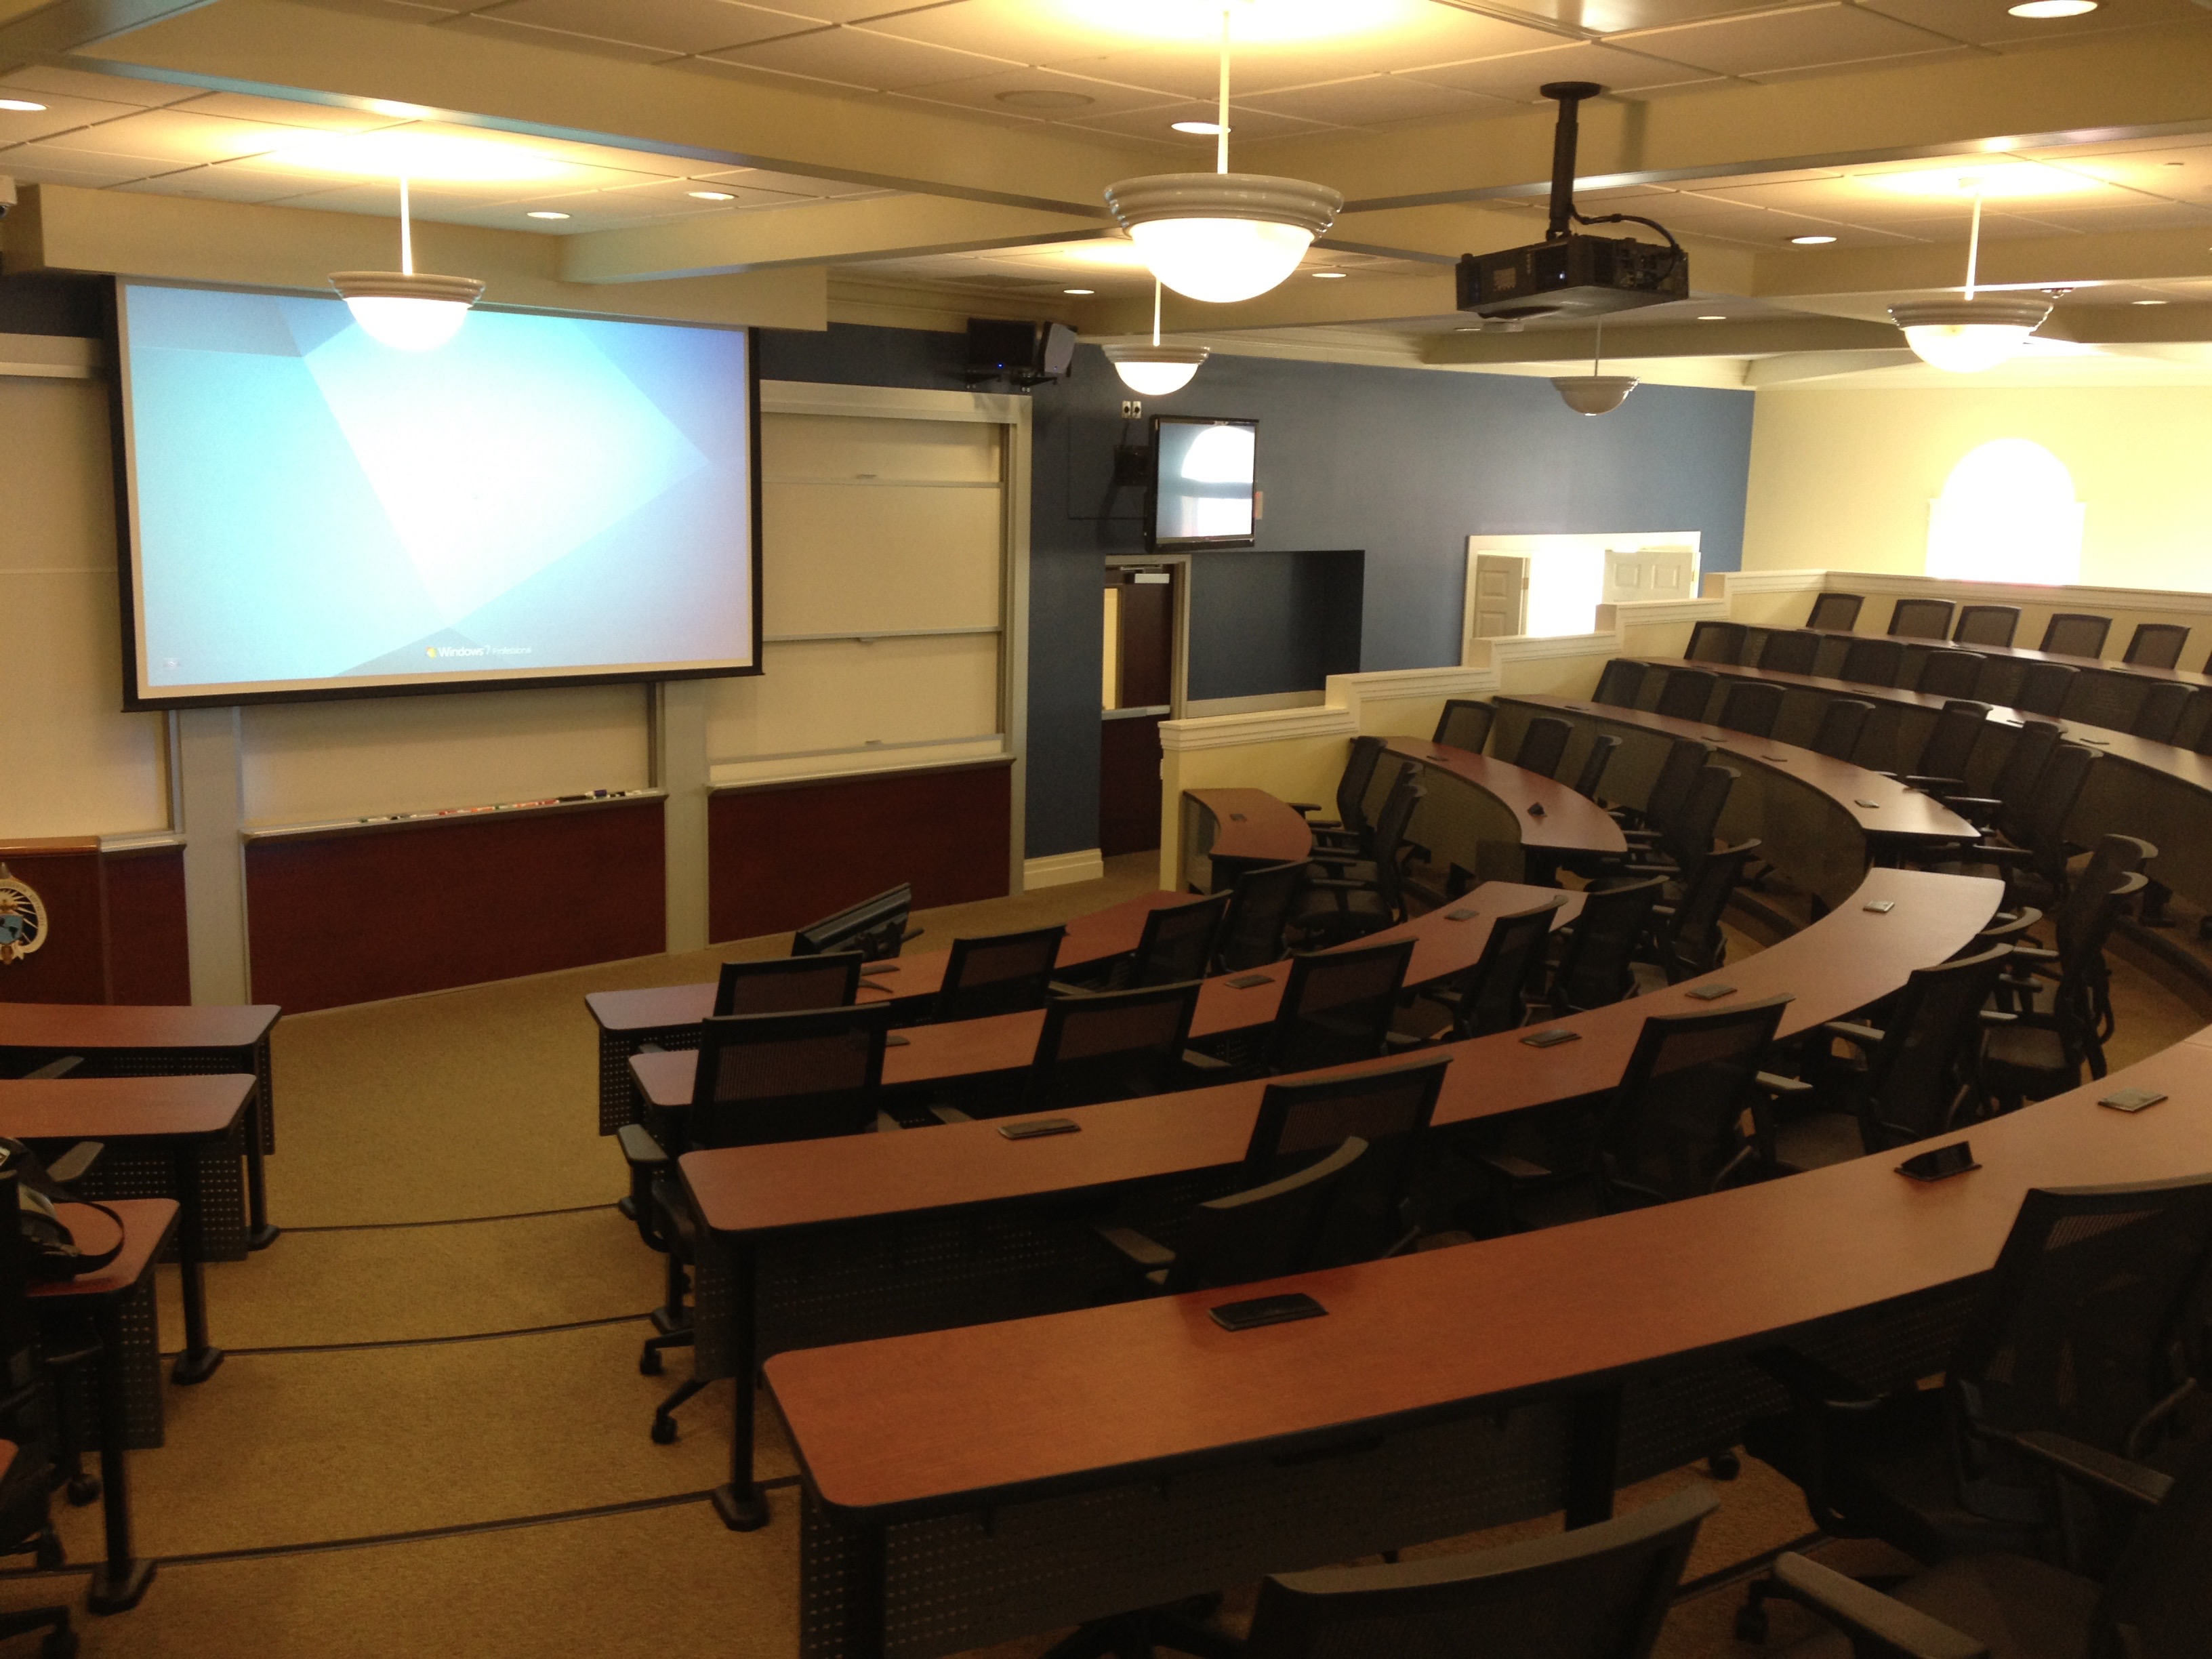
x=1518 y=75
x=852 y=11
x=790 y=184
x=281 y=112
x=1377 y=98
x=183 y=138
x=526 y=34
x=60 y=115
x=1809 y=71
x=404 y=11
x=1246 y=125
x=1056 y=100
x=1615 y=16
x=2126 y=216
x=857 y=58
x=108 y=88
x=217 y=183
x=1803 y=37
x=668 y=26
x=675 y=194
x=1990 y=22
x=35 y=162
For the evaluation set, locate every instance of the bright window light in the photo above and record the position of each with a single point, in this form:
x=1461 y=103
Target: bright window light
x=2007 y=514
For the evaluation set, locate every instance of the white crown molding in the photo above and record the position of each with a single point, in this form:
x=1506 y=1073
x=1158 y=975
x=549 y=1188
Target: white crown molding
x=1271 y=725
x=1530 y=647
x=1655 y=613
x=1773 y=581
x=1405 y=685
x=1892 y=583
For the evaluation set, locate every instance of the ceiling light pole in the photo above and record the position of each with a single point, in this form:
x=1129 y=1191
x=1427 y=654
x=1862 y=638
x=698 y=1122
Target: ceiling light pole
x=1968 y=336
x=1156 y=370
x=405 y=309
x=1595 y=394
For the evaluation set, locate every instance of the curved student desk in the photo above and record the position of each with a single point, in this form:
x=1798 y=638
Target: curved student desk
x=1821 y=820
x=816 y=1242
x=1446 y=942
x=118 y=1040
x=1227 y=832
x=1484 y=815
x=668 y=1016
x=2114 y=675
x=1046 y=1470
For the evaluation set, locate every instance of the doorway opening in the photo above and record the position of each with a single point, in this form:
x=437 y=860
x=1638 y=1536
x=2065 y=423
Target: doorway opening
x=1145 y=629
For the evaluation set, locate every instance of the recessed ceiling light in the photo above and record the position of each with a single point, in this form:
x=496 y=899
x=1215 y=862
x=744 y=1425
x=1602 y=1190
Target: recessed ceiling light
x=1810 y=241
x=23 y=105
x=1328 y=275
x=712 y=196
x=546 y=213
x=2052 y=7
x=2146 y=302
x=1197 y=129
x=1714 y=318
x=1079 y=292
x=1045 y=99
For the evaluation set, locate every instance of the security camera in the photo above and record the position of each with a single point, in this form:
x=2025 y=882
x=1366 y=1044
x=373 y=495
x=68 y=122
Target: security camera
x=7 y=195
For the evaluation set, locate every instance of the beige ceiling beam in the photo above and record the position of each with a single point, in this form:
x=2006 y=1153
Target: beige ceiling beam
x=1750 y=337
x=831 y=233
x=319 y=54
x=1825 y=277
x=31 y=27
x=1796 y=368
x=2134 y=325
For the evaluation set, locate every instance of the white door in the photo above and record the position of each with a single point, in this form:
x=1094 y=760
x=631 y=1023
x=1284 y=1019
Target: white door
x=1649 y=572
x=1497 y=595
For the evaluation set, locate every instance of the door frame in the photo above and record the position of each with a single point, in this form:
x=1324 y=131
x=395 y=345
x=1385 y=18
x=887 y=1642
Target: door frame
x=1179 y=669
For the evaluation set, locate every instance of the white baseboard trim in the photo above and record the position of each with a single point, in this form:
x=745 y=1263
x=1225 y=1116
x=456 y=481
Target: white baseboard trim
x=1062 y=869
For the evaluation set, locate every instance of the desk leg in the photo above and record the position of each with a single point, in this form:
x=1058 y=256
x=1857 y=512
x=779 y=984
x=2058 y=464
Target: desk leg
x=741 y=1504
x=118 y=1581
x=259 y=1233
x=198 y=1361
x=1593 y=1456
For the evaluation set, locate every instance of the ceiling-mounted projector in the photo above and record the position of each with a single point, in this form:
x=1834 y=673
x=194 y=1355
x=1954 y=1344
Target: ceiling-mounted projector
x=1566 y=275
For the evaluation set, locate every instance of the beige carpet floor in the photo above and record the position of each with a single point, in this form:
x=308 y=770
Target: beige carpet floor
x=430 y=1435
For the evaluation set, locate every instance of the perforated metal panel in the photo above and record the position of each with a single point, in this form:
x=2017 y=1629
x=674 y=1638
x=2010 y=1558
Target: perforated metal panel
x=141 y=1369
x=139 y=1171
x=618 y=1101
x=188 y=1062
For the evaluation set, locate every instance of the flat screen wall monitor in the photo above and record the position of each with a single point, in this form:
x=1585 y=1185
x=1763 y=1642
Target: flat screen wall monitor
x=876 y=927
x=1201 y=492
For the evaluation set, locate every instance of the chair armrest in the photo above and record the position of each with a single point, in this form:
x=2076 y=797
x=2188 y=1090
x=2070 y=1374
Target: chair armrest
x=1931 y=785
x=71 y=1165
x=1303 y=805
x=1994 y=853
x=1198 y=1060
x=1878 y=1624
x=639 y=1149
x=1060 y=989
x=2034 y=953
x=949 y=1115
x=1398 y=1043
x=1865 y=1035
x=1142 y=1252
x=54 y=1068
x=1775 y=1084
x=1512 y=1168
x=1988 y=803
x=1809 y=1382
x=1998 y=1017
x=1332 y=884
x=2145 y=1488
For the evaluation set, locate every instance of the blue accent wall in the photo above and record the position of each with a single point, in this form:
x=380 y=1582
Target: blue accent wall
x=1398 y=464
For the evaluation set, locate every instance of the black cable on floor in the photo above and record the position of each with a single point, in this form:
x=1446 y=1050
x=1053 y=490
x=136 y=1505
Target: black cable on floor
x=447 y=1221
x=436 y=1341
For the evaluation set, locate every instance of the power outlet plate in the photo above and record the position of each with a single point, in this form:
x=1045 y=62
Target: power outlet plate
x=1131 y=409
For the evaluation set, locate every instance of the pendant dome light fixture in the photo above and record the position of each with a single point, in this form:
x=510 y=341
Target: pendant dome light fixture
x=406 y=309
x=1968 y=336
x=1595 y=394
x=1156 y=370
x=1222 y=236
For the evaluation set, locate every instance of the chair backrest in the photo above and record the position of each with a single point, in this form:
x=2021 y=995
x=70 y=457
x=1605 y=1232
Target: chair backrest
x=2195 y=731
x=2157 y=1599
x=2076 y=634
x=1491 y=992
x=1986 y=624
x=876 y=927
x=1336 y=1006
x=2043 y=688
x=1598 y=1592
x=1592 y=776
x=1843 y=723
x=2015 y=789
x=2156 y=645
x=1949 y=673
x=1543 y=745
x=1619 y=685
x=1671 y=1130
x=1465 y=724
x=1951 y=741
x=1179 y=941
x=1113 y=1045
x=1873 y=662
x=1351 y=786
x=788 y=984
x=1694 y=942
x=1920 y=619
x=1688 y=836
x=1671 y=788
x=1387 y=843
x=1260 y=906
x=1389 y=1109
x=1716 y=641
x=1601 y=943
x=1003 y=974
x=1685 y=694
x=1790 y=650
x=2158 y=716
x=1751 y=706
x=1264 y=1233
x=2043 y=826
x=787 y=1077
x=1932 y=1033
x=1839 y=613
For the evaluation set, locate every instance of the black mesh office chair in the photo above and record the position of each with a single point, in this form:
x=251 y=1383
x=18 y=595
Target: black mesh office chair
x=1465 y=724
x=1687 y=937
x=759 y=1077
x=1599 y=944
x=1336 y=1007
x=1004 y=974
x=1873 y=662
x=1591 y=778
x=2158 y=716
x=2156 y=645
x=1672 y=1130
x=2112 y=861
x=1543 y=745
x=1843 y=723
x=1752 y=707
x=1358 y=897
x=1790 y=651
x=1986 y=624
x=2056 y=1030
x=28 y=1470
x=2044 y=687
x=1948 y=754
x=1493 y=994
x=2086 y=1327
x=2012 y=796
x=1949 y=673
x=1260 y=908
x=1716 y=641
x=1687 y=838
x=1115 y=1045
x=1349 y=828
x=2076 y=634
x=2155 y=1604
x=1179 y=943
x=1920 y=619
x=788 y=984
x=1598 y=1592
x=1686 y=693
x=1619 y=683
x=1686 y=758
x=1390 y=1110
x=2032 y=857
x=1837 y=613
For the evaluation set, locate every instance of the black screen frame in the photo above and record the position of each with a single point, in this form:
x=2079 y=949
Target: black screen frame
x=1156 y=543
x=138 y=700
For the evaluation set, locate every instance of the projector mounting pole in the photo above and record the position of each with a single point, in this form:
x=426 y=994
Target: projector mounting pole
x=1569 y=94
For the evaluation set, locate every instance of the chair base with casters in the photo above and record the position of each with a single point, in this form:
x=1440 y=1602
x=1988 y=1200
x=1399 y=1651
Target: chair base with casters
x=1179 y=1629
x=24 y=1478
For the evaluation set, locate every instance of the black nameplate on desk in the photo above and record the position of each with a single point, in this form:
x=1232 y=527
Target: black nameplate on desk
x=1535 y=809
x=1264 y=1311
x=1551 y=1036
x=1037 y=1126
x=1881 y=907
x=1870 y=805
x=1246 y=982
x=1939 y=1162
x=874 y=967
x=2131 y=1100
x=1711 y=992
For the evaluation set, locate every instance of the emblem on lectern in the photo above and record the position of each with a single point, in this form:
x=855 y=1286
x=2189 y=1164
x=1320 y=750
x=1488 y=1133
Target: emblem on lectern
x=22 y=919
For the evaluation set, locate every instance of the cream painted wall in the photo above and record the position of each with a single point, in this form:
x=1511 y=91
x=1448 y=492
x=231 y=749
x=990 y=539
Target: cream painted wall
x=1841 y=479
